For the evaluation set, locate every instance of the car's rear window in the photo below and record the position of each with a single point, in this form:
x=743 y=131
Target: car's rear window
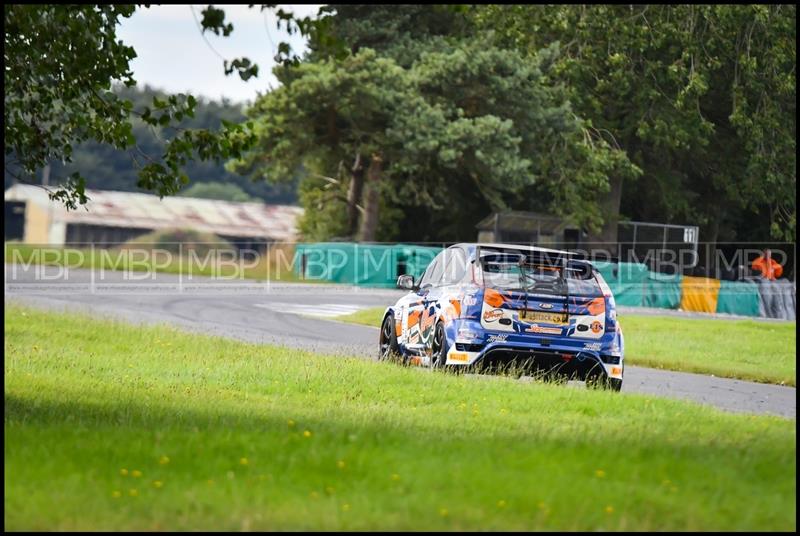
x=504 y=272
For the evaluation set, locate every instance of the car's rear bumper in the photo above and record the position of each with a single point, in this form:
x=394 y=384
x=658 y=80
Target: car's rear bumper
x=568 y=357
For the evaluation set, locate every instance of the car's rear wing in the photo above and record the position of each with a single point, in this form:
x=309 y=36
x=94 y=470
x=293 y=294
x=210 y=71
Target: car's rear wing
x=563 y=260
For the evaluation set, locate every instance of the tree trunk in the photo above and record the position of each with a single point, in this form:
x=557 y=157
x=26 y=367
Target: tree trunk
x=354 y=192
x=369 y=223
x=609 y=205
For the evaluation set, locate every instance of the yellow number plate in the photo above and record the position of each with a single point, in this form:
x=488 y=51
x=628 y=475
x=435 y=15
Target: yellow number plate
x=547 y=318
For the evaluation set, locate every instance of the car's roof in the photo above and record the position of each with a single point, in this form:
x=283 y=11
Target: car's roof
x=515 y=246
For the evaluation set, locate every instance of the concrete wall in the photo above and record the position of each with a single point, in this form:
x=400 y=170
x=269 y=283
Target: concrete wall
x=37 y=224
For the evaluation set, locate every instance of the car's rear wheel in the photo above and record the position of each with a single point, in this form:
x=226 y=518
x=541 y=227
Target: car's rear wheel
x=614 y=384
x=388 y=340
x=598 y=379
x=439 y=347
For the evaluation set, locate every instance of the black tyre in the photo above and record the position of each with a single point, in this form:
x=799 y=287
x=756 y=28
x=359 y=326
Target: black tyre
x=597 y=379
x=439 y=347
x=388 y=349
x=614 y=384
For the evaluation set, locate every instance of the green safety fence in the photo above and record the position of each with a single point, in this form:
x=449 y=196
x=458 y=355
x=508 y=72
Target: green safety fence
x=416 y=258
x=634 y=285
x=627 y=280
x=663 y=291
x=738 y=298
x=373 y=265
x=379 y=265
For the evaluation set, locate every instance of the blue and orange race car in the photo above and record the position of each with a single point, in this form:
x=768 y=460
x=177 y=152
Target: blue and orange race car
x=493 y=307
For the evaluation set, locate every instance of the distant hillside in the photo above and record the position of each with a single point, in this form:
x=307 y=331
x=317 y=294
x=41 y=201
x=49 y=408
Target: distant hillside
x=106 y=168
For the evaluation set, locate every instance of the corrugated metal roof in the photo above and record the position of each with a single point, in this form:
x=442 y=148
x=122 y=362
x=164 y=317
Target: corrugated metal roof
x=146 y=211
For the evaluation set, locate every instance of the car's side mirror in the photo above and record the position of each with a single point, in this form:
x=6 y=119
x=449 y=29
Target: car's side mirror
x=406 y=282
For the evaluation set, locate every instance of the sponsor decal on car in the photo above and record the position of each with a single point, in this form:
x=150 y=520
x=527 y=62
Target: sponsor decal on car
x=493 y=315
x=469 y=300
x=546 y=305
x=596 y=326
x=535 y=328
x=593 y=346
x=427 y=321
x=497 y=338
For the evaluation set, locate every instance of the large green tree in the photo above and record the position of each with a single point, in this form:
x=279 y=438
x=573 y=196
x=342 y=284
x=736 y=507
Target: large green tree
x=442 y=129
x=702 y=99
x=60 y=63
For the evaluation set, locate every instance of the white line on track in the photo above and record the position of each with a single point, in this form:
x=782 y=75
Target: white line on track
x=325 y=310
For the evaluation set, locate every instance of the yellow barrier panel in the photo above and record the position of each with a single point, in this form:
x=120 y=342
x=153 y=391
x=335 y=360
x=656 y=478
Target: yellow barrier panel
x=699 y=294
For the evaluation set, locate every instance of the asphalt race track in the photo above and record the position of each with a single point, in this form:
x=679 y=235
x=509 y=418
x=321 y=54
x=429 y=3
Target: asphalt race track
x=299 y=315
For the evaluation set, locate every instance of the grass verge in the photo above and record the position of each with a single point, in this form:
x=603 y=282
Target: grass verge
x=745 y=349
x=111 y=426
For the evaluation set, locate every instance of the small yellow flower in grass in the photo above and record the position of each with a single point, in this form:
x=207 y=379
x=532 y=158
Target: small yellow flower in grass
x=395 y=477
x=443 y=512
x=133 y=492
x=116 y=494
x=243 y=461
x=123 y=472
x=501 y=503
x=609 y=509
x=136 y=473
x=290 y=423
x=600 y=473
x=503 y=411
x=314 y=495
x=158 y=484
x=340 y=464
x=210 y=482
x=164 y=460
x=474 y=412
x=345 y=507
x=541 y=505
x=306 y=434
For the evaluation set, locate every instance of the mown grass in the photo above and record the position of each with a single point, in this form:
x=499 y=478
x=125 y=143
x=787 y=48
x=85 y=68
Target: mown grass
x=117 y=427
x=745 y=349
x=275 y=266
x=760 y=351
